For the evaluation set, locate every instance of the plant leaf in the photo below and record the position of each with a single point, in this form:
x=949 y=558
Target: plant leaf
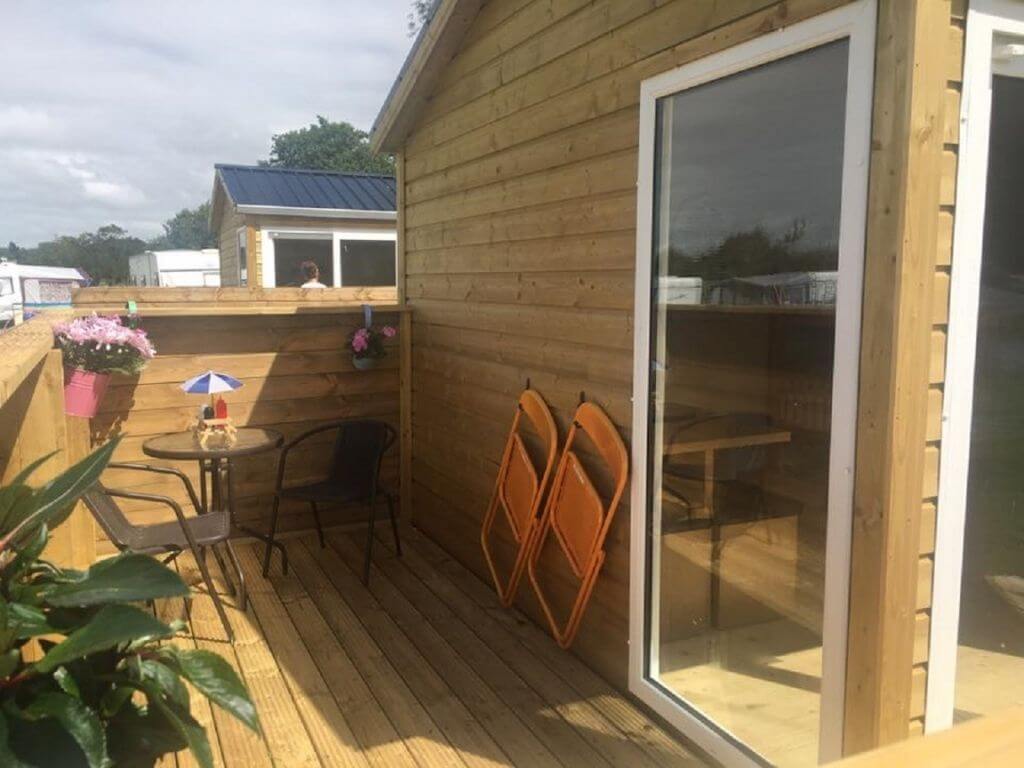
x=55 y=500
x=125 y=579
x=16 y=492
x=66 y=682
x=28 y=621
x=77 y=719
x=216 y=679
x=111 y=626
x=7 y=758
x=9 y=662
x=167 y=680
x=184 y=724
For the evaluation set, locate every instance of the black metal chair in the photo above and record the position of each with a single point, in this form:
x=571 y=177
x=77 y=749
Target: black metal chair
x=171 y=538
x=354 y=476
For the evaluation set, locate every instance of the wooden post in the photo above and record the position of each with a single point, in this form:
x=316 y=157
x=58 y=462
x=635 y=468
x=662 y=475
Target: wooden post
x=891 y=430
x=405 y=416
x=253 y=257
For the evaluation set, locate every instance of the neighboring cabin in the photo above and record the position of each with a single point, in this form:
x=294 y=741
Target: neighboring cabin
x=630 y=199
x=270 y=220
x=178 y=268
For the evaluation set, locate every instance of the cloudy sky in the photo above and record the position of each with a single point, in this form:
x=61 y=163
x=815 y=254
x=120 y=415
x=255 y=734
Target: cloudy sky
x=114 y=111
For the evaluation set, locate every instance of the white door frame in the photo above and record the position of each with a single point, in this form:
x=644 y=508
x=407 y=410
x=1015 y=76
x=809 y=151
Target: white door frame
x=984 y=19
x=855 y=21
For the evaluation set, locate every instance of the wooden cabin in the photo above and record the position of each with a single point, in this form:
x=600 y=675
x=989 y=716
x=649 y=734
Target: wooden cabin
x=269 y=221
x=754 y=232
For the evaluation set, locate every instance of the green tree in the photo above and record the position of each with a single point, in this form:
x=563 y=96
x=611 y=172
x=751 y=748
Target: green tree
x=102 y=254
x=188 y=228
x=328 y=146
x=420 y=14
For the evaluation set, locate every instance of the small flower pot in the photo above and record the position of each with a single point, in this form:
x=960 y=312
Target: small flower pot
x=83 y=391
x=364 y=363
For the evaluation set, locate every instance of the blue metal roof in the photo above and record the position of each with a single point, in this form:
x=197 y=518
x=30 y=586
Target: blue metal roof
x=291 y=188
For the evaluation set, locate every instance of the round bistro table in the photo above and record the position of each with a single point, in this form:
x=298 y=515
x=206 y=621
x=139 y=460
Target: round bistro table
x=216 y=466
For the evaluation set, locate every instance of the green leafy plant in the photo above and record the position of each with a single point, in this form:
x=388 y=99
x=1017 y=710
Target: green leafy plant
x=101 y=688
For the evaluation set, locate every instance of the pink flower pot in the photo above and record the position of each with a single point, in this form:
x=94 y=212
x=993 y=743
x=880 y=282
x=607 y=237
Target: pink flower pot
x=83 y=391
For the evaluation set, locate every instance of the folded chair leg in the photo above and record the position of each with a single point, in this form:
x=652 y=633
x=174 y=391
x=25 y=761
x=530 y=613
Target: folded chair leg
x=270 y=538
x=319 y=528
x=369 y=538
x=242 y=594
x=205 y=571
x=394 y=523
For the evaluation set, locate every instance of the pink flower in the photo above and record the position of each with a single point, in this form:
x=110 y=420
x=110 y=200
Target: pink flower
x=388 y=332
x=359 y=342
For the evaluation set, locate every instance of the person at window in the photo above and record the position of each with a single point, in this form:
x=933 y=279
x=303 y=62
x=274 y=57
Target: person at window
x=311 y=272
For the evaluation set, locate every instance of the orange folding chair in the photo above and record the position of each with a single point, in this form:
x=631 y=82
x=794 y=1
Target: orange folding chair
x=578 y=516
x=518 y=491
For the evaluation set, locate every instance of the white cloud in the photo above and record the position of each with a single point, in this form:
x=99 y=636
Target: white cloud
x=115 y=111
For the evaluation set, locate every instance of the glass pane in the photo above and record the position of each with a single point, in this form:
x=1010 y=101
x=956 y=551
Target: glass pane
x=367 y=262
x=990 y=658
x=747 y=204
x=290 y=255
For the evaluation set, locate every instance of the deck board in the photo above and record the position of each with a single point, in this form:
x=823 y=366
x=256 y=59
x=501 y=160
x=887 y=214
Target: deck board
x=419 y=670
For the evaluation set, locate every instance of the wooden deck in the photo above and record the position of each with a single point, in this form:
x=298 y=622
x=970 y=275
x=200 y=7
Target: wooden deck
x=424 y=668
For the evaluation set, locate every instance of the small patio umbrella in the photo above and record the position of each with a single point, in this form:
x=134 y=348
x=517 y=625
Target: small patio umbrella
x=210 y=383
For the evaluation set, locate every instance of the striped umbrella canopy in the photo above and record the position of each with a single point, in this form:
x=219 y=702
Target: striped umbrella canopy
x=210 y=382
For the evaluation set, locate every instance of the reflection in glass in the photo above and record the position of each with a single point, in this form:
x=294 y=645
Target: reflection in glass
x=990 y=658
x=291 y=253
x=367 y=262
x=747 y=205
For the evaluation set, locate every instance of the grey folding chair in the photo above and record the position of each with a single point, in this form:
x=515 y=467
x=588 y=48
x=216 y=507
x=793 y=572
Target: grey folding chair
x=353 y=476
x=171 y=538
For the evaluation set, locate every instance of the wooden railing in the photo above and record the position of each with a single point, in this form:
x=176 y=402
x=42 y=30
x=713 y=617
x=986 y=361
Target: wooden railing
x=33 y=425
x=996 y=741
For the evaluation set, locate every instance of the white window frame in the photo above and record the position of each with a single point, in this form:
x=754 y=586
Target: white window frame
x=985 y=18
x=242 y=242
x=334 y=235
x=856 y=22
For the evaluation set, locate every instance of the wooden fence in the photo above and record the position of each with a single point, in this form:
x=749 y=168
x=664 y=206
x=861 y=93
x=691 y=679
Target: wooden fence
x=289 y=349
x=33 y=425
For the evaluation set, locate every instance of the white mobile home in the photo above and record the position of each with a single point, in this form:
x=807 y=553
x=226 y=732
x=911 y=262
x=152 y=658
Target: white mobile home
x=176 y=268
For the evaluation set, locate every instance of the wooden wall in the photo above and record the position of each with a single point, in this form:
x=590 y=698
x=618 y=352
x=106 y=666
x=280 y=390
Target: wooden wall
x=952 y=53
x=519 y=184
x=33 y=425
x=288 y=349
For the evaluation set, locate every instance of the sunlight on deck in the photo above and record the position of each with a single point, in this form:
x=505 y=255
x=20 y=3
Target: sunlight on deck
x=424 y=668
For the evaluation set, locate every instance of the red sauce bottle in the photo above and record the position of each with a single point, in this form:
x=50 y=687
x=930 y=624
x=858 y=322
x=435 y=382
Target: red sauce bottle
x=220 y=409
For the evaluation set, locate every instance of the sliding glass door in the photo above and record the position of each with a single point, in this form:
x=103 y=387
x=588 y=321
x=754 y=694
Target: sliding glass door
x=749 y=280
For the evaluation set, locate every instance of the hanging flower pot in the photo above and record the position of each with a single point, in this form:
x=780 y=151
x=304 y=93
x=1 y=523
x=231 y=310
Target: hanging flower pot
x=367 y=345
x=93 y=348
x=364 y=363
x=83 y=391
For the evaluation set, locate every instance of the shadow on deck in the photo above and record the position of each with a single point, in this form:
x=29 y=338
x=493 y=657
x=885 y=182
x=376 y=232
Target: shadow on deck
x=424 y=668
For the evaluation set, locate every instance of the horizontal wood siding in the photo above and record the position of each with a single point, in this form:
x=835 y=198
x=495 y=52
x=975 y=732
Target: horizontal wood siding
x=296 y=373
x=519 y=247
x=227 y=241
x=33 y=425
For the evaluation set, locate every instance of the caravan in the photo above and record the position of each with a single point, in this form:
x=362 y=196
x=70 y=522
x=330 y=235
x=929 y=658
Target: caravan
x=28 y=288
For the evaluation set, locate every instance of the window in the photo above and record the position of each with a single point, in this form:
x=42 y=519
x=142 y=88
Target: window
x=751 y=210
x=293 y=250
x=6 y=286
x=243 y=256
x=345 y=258
x=367 y=262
